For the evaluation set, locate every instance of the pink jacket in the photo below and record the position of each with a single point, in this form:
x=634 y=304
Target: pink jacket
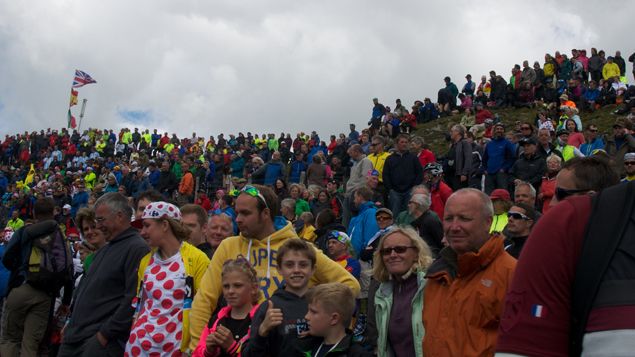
x=201 y=349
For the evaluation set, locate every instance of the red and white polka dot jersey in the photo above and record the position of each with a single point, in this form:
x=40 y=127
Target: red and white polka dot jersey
x=157 y=330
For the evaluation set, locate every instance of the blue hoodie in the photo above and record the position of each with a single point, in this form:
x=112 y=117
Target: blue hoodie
x=363 y=227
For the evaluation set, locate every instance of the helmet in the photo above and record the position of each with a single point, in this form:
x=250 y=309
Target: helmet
x=435 y=168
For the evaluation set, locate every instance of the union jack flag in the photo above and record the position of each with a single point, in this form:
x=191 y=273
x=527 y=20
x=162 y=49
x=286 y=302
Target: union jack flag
x=81 y=79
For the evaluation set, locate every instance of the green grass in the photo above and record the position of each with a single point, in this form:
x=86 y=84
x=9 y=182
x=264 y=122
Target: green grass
x=434 y=132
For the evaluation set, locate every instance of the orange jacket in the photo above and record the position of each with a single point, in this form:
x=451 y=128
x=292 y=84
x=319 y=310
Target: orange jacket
x=186 y=187
x=463 y=300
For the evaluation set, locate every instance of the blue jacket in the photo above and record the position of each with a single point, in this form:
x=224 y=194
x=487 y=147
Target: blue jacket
x=499 y=154
x=4 y=274
x=274 y=171
x=297 y=167
x=79 y=200
x=588 y=148
x=237 y=167
x=591 y=94
x=153 y=177
x=363 y=227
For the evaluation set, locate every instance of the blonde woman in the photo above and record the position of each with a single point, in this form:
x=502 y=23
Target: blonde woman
x=169 y=277
x=401 y=260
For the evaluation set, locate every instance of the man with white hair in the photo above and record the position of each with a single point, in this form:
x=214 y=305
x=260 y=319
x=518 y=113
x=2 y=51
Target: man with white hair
x=425 y=221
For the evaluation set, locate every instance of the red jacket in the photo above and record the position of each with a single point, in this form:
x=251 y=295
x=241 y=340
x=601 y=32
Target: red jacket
x=438 y=197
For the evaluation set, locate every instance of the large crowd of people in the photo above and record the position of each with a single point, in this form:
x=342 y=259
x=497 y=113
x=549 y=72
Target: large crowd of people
x=134 y=243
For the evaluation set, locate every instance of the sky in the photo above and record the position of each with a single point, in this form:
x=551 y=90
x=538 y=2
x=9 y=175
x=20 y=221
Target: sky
x=220 y=66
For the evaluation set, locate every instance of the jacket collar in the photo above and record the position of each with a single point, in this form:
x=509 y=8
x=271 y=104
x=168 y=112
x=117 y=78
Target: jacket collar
x=450 y=265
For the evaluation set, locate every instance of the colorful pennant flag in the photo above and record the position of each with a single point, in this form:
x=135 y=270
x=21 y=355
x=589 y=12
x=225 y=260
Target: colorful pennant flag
x=29 y=176
x=71 y=120
x=81 y=79
x=73 y=100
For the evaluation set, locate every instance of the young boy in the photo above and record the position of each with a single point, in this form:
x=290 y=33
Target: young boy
x=330 y=311
x=278 y=321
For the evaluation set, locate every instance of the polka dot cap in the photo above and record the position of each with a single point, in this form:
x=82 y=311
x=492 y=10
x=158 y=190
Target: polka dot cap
x=161 y=209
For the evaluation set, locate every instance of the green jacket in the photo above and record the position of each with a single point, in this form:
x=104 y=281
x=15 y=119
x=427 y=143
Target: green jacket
x=383 y=305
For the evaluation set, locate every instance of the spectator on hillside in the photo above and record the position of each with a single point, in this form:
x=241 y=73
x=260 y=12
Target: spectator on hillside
x=525 y=193
x=469 y=87
x=428 y=111
x=548 y=185
x=402 y=171
x=458 y=165
x=592 y=141
x=418 y=147
x=620 y=143
x=378 y=158
x=439 y=190
x=363 y=226
x=452 y=90
x=359 y=170
x=498 y=159
x=499 y=87
x=610 y=69
x=530 y=166
x=426 y=222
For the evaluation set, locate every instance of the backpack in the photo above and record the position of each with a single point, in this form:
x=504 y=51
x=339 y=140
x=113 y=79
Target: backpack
x=50 y=263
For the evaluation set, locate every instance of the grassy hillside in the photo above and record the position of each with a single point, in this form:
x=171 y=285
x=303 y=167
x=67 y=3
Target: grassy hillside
x=433 y=132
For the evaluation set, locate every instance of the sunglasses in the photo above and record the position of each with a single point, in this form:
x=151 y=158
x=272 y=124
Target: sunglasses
x=629 y=163
x=383 y=218
x=253 y=192
x=562 y=193
x=518 y=216
x=400 y=249
x=525 y=128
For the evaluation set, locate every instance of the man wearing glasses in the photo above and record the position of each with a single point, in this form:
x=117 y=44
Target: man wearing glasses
x=629 y=167
x=467 y=284
x=102 y=313
x=521 y=219
x=592 y=141
x=582 y=176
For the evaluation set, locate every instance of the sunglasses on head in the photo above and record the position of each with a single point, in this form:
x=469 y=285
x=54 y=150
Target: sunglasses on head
x=518 y=216
x=399 y=249
x=253 y=192
x=562 y=193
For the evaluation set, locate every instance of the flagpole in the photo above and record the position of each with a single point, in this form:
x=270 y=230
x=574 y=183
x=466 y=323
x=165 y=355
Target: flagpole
x=81 y=115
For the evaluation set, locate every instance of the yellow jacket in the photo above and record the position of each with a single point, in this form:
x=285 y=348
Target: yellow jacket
x=262 y=256
x=610 y=70
x=378 y=163
x=196 y=263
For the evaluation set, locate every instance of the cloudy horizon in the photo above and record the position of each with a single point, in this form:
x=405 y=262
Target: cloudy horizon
x=231 y=66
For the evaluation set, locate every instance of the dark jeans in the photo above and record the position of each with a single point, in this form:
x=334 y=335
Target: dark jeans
x=494 y=181
x=92 y=348
x=398 y=201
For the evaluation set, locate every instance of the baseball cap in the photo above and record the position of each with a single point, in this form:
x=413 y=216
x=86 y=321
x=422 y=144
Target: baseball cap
x=66 y=206
x=384 y=210
x=500 y=194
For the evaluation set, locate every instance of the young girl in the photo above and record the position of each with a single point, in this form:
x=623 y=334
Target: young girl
x=169 y=277
x=229 y=329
